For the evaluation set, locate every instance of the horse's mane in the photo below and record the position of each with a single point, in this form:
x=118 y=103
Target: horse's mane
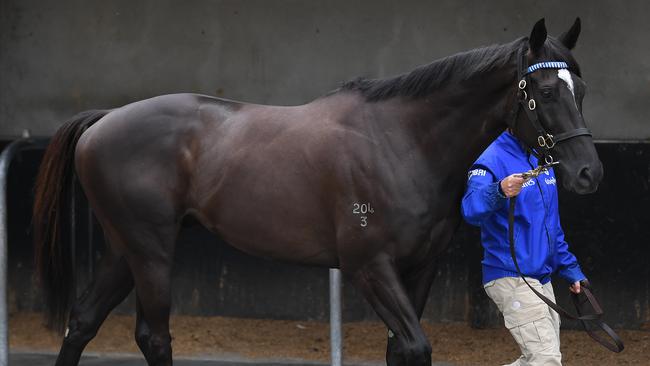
x=461 y=66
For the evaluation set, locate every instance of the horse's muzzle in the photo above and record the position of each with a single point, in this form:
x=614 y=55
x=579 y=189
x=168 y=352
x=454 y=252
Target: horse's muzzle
x=586 y=179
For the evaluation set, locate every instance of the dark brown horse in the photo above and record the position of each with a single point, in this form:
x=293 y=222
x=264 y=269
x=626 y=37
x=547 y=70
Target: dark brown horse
x=367 y=179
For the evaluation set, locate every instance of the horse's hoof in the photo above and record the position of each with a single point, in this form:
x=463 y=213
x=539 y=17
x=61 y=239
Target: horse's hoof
x=413 y=354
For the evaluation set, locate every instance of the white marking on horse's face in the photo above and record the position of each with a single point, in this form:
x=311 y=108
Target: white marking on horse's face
x=565 y=76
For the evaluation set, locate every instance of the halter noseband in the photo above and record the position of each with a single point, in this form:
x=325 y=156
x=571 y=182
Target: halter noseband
x=545 y=140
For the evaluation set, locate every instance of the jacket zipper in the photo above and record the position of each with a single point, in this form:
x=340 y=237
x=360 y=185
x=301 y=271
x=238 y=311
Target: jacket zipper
x=541 y=193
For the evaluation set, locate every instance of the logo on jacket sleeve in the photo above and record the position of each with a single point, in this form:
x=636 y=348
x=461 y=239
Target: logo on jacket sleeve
x=476 y=172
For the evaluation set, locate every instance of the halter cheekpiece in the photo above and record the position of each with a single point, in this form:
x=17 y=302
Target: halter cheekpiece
x=545 y=140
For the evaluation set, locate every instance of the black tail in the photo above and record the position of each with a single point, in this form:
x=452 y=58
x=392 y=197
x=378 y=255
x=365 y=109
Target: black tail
x=53 y=258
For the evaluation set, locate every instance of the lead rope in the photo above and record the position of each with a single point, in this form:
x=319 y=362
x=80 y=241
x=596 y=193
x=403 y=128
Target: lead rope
x=578 y=300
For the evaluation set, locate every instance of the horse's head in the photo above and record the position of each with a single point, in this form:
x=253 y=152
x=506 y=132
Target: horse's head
x=551 y=93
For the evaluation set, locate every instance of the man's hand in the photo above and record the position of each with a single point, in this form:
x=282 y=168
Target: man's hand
x=575 y=288
x=511 y=185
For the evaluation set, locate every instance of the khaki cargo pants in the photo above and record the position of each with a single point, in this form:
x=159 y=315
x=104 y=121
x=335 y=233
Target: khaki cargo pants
x=534 y=326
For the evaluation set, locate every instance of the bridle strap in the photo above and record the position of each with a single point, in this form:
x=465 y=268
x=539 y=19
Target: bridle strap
x=546 y=141
x=571 y=134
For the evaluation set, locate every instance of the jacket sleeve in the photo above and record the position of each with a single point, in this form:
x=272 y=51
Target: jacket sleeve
x=482 y=197
x=568 y=267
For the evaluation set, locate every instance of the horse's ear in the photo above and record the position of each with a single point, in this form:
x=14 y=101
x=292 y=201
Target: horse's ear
x=570 y=37
x=537 y=36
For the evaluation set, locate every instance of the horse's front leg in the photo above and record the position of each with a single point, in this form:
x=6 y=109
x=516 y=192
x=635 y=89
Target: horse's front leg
x=383 y=288
x=417 y=284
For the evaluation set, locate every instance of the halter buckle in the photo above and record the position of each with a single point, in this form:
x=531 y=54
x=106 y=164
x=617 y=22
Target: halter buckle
x=546 y=141
x=548 y=159
x=522 y=84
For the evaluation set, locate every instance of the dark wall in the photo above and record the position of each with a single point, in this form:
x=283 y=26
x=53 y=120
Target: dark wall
x=608 y=231
x=58 y=58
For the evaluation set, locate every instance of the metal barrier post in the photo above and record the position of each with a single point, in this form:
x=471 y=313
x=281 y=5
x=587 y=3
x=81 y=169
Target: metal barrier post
x=5 y=160
x=336 y=340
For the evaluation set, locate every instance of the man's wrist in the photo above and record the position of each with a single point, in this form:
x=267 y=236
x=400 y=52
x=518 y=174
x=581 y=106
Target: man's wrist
x=500 y=190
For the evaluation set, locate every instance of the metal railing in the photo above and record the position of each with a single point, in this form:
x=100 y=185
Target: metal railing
x=336 y=339
x=6 y=158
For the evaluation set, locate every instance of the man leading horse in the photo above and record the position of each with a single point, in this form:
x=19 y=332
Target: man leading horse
x=541 y=248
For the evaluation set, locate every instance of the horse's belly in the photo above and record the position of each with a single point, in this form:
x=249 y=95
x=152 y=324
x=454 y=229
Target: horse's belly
x=272 y=218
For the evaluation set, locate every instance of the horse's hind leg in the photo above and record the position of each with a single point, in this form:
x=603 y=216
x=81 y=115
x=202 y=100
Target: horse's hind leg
x=142 y=331
x=111 y=285
x=153 y=289
x=384 y=290
x=149 y=252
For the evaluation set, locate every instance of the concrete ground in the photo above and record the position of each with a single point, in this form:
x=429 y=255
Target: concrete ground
x=47 y=359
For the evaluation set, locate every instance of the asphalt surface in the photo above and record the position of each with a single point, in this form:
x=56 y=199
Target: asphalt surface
x=47 y=359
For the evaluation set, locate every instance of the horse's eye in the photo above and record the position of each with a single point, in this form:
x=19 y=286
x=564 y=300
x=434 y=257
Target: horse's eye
x=547 y=94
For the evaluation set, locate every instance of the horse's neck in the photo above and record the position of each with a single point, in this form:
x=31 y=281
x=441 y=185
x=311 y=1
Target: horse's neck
x=466 y=117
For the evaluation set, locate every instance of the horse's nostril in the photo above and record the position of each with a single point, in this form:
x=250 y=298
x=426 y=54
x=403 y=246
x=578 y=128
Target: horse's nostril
x=590 y=176
x=587 y=179
x=585 y=174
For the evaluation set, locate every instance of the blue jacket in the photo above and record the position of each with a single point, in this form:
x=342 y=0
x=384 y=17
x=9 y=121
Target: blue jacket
x=539 y=240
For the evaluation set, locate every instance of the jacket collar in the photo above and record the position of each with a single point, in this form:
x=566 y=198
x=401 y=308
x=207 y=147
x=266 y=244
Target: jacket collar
x=514 y=146
x=512 y=143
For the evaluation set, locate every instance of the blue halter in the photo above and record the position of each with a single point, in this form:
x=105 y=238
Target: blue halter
x=546 y=65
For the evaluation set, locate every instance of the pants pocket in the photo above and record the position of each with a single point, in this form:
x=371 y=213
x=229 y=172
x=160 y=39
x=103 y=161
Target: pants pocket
x=538 y=336
x=524 y=306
